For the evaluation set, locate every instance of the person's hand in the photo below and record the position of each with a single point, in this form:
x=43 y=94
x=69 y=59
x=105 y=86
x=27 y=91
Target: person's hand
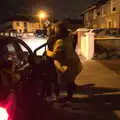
x=50 y=53
x=65 y=68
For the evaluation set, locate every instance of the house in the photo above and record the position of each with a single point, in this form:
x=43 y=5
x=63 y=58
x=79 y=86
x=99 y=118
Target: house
x=102 y=14
x=20 y=24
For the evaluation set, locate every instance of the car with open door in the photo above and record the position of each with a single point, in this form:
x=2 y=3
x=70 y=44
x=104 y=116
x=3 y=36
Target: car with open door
x=21 y=73
x=15 y=57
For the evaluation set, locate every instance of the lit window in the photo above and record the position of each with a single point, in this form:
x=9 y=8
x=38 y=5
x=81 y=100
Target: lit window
x=18 y=24
x=25 y=24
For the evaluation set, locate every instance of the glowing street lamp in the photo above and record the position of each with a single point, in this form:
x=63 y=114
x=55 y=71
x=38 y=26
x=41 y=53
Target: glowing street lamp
x=42 y=15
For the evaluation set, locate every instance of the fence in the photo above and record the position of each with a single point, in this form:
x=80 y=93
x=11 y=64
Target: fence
x=11 y=34
x=107 y=47
x=85 y=44
x=91 y=47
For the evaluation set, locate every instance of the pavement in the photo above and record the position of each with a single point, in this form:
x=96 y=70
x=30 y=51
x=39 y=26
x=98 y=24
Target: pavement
x=101 y=73
x=97 y=96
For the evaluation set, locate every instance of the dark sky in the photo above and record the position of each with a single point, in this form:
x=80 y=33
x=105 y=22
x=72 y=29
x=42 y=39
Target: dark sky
x=59 y=8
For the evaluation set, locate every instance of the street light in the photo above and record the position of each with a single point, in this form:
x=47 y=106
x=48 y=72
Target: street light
x=42 y=15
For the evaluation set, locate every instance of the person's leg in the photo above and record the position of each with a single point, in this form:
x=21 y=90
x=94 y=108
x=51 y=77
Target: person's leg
x=48 y=88
x=70 y=90
x=56 y=84
x=56 y=88
x=42 y=90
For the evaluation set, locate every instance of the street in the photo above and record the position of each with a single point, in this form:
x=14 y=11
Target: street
x=96 y=98
x=96 y=108
x=38 y=40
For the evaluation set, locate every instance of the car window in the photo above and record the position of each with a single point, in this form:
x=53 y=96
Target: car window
x=9 y=51
x=25 y=52
x=41 y=51
x=11 y=47
x=23 y=48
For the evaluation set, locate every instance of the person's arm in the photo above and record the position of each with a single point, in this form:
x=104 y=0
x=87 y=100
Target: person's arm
x=50 y=53
x=58 y=46
x=61 y=68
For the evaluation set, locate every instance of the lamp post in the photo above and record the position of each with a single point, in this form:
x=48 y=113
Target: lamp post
x=42 y=15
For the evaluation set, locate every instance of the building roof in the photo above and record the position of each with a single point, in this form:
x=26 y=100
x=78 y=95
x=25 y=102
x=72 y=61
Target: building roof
x=94 y=5
x=22 y=18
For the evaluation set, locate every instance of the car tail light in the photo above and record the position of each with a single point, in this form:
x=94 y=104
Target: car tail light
x=8 y=107
x=3 y=114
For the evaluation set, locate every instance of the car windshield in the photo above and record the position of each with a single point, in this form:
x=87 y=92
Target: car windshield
x=35 y=42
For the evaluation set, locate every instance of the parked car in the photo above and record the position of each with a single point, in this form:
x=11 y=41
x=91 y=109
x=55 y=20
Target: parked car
x=41 y=33
x=12 y=59
x=107 y=32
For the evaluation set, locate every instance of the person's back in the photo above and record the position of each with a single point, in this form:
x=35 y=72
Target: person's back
x=72 y=59
x=69 y=58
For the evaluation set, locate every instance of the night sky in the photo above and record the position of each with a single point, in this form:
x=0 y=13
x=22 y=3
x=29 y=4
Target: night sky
x=61 y=9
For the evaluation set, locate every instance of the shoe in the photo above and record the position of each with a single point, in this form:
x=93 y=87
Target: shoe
x=51 y=98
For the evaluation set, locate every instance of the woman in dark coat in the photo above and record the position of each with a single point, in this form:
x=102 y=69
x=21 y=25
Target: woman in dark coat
x=65 y=58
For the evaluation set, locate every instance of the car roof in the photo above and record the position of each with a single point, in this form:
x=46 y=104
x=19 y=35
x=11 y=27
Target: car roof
x=6 y=39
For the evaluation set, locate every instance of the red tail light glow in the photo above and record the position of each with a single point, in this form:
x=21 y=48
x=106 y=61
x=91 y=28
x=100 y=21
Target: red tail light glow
x=3 y=114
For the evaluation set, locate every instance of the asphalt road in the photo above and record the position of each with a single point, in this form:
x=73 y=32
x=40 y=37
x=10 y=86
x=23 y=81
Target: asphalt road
x=95 y=108
x=96 y=98
x=114 y=64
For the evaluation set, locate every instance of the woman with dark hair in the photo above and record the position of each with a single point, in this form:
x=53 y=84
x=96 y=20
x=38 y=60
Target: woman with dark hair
x=66 y=60
x=51 y=85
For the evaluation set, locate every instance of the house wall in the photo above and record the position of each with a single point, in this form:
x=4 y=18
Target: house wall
x=23 y=26
x=106 y=15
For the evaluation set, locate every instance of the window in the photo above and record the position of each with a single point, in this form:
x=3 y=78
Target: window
x=20 y=31
x=110 y=24
x=114 y=9
x=9 y=52
x=25 y=30
x=98 y=13
x=10 y=47
x=25 y=24
x=18 y=24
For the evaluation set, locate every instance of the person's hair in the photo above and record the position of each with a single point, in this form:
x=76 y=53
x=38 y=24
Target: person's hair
x=61 y=30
